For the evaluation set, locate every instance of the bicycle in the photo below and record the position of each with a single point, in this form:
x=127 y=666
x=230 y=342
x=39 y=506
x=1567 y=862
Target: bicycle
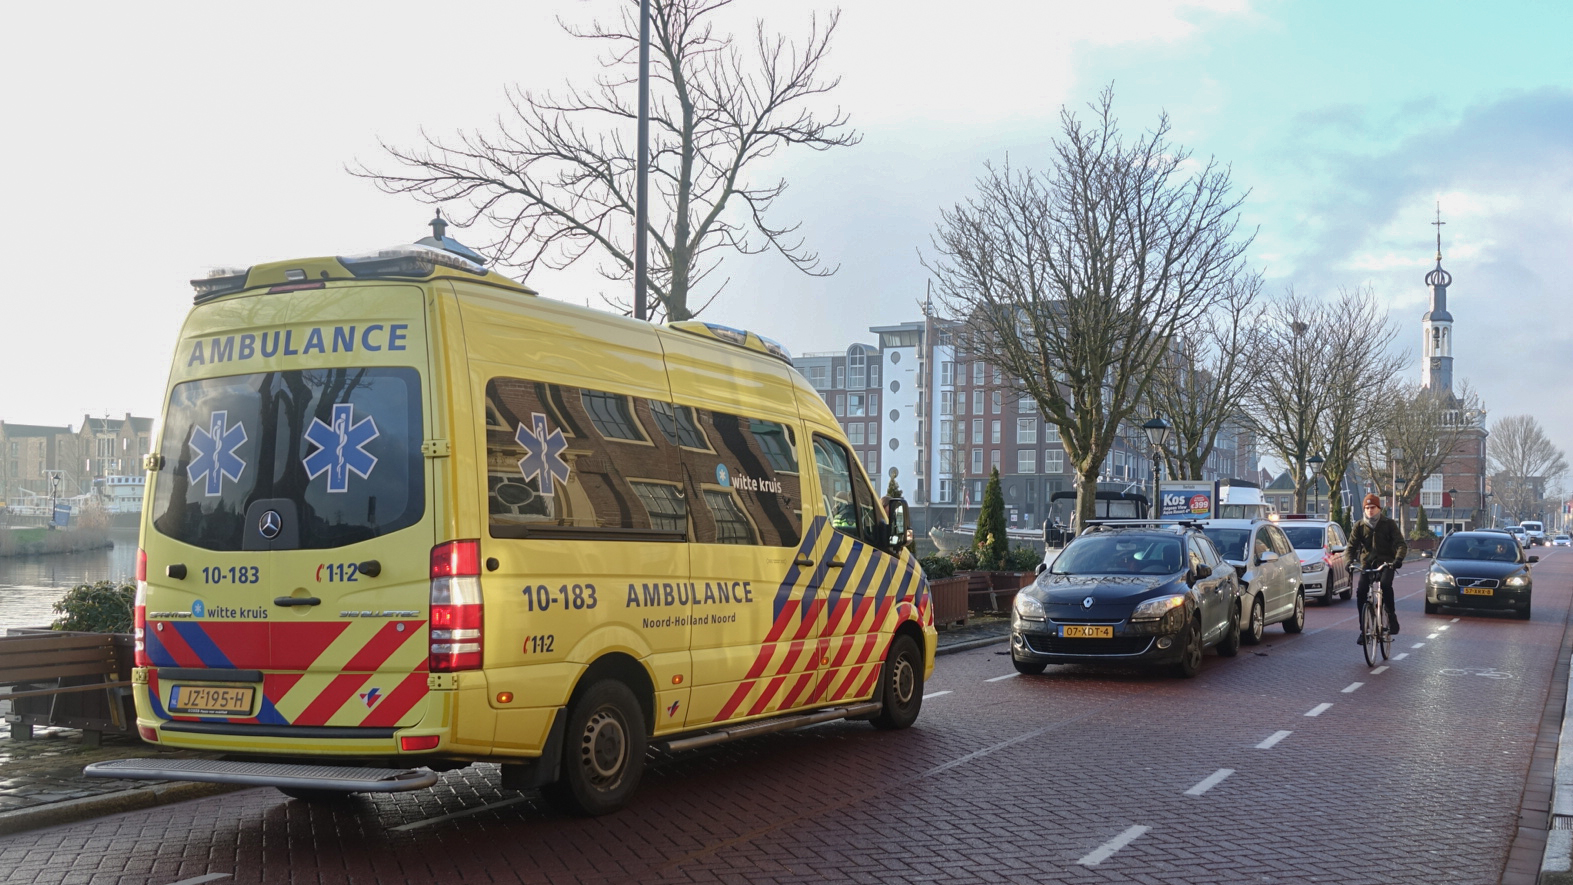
x=1373 y=616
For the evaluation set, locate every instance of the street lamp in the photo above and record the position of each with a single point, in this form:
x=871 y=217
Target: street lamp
x=1157 y=433
x=1315 y=462
x=1452 y=499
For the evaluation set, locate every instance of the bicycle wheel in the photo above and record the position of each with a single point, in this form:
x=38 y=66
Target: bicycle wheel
x=1385 y=639
x=1368 y=627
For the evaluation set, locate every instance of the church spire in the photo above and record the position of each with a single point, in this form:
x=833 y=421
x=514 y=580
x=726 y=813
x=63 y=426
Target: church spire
x=1436 y=368
x=1438 y=225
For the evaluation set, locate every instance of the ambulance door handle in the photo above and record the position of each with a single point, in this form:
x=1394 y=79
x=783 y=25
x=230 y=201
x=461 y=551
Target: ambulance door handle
x=296 y=600
x=834 y=563
x=803 y=561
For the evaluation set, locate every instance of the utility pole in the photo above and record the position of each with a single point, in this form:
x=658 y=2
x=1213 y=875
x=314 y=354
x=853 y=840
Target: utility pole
x=642 y=177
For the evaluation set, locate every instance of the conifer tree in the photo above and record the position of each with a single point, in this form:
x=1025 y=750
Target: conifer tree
x=990 y=540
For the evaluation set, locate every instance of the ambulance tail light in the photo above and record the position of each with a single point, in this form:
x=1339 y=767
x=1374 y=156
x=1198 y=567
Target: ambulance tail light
x=139 y=613
x=457 y=613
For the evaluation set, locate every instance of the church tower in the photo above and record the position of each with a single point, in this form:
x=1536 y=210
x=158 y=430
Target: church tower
x=1436 y=366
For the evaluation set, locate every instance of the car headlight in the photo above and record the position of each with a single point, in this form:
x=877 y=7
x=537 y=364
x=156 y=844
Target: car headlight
x=1308 y=567
x=1156 y=608
x=1029 y=609
x=1519 y=580
x=1439 y=576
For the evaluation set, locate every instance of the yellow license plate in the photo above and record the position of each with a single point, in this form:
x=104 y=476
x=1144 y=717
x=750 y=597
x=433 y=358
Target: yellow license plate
x=1477 y=591
x=211 y=699
x=1077 y=631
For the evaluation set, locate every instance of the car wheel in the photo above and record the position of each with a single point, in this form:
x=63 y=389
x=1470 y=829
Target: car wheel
x=1327 y=595
x=1296 y=621
x=1230 y=646
x=1029 y=668
x=603 y=754
x=900 y=685
x=1432 y=608
x=1190 y=662
x=1255 y=622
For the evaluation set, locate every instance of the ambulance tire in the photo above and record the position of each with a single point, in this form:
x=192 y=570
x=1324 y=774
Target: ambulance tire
x=900 y=685
x=603 y=752
x=317 y=797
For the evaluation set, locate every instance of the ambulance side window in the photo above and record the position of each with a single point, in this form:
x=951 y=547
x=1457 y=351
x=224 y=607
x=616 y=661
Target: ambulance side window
x=845 y=493
x=748 y=487
x=565 y=460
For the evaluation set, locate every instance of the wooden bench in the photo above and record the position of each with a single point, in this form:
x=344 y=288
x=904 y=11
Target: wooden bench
x=40 y=665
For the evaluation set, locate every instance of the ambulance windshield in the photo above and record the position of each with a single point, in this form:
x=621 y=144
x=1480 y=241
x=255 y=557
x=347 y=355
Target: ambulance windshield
x=333 y=454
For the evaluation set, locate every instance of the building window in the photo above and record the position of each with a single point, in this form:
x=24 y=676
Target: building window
x=873 y=374
x=1054 y=461
x=977 y=460
x=977 y=372
x=994 y=458
x=947 y=373
x=1026 y=431
x=947 y=431
x=947 y=462
x=841 y=377
x=857 y=405
x=664 y=503
x=977 y=402
x=873 y=404
x=1051 y=432
x=841 y=405
x=947 y=402
x=858 y=364
x=945 y=495
x=855 y=433
x=999 y=376
x=997 y=401
x=871 y=462
x=994 y=433
x=1431 y=492
x=610 y=413
x=1026 y=461
x=817 y=376
x=1027 y=405
x=977 y=431
x=976 y=489
x=732 y=527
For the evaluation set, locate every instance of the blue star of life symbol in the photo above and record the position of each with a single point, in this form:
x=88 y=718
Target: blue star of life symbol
x=341 y=448
x=543 y=453
x=215 y=449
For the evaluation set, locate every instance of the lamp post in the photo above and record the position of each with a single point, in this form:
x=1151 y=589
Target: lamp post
x=1315 y=462
x=1157 y=433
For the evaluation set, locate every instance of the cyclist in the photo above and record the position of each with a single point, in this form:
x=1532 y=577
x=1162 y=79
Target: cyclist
x=1374 y=541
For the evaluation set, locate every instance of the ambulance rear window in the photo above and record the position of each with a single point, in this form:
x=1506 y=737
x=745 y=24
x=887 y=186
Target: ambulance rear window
x=334 y=452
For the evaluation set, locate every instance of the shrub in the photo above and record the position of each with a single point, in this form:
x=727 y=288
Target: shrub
x=104 y=607
x=965 y=560
x=1421 y=528
x=1022 y=559
x=990 y=541
x=937 y=566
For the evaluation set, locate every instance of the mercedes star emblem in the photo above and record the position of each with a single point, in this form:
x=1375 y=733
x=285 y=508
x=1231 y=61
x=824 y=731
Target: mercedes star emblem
x=1085 y=603
x=270 y=524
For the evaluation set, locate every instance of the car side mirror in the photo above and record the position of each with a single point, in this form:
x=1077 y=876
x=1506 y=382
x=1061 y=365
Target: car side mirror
x=898 y=530
x=1042 y=567
x=1202 y=571
x=1534 y=559
x=1337 y=549
x=1266 y=557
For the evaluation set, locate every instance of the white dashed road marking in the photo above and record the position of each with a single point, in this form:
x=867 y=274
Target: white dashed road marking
x=1441 y=628
x=1418 y=645
x=1319 y=709
x=1378 y=670
x=1277 y=736
x=1351 y=687
x=1400 y=656
x=1006 y=676
x=1212 y=780
x=1454 y=621
x=935 y=694
x=1432 y=635
x=1104 y=851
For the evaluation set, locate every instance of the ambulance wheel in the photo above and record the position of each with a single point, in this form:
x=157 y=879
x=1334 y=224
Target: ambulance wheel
x=900 y=685
x=603 y=752
x=316 y=797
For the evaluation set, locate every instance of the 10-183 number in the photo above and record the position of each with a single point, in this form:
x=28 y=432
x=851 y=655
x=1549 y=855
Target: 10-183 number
x=541 y=598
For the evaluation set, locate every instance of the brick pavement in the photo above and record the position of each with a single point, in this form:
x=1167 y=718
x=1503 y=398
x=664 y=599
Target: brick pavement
x=1419 y=775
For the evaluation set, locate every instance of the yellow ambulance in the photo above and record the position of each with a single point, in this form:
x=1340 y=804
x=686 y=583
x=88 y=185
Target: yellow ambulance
x=404 y=515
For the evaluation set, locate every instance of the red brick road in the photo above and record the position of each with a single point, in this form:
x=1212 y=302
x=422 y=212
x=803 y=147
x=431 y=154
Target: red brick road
x=1415 y=775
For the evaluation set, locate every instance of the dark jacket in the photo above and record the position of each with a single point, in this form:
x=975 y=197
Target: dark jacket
x=1373 y=546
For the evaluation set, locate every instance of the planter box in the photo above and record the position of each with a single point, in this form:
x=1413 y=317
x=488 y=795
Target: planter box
x=950 y=600
x=994 y=591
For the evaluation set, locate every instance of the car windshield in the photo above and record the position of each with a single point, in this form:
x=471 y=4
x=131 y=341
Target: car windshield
x=1305 y=537
x=1484 y=549
x=1231 y=543
x=1120 y=555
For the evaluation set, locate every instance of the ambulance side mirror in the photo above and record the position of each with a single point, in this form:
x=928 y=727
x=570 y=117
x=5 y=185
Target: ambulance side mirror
x=898 y=531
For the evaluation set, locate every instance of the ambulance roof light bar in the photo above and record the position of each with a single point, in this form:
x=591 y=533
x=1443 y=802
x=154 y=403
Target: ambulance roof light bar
x=736 y=337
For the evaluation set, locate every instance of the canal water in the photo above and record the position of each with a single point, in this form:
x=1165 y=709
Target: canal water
x=31 y=585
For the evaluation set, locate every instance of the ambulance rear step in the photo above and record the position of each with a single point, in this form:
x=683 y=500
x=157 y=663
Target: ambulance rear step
x=767 y=726
x=267 y=774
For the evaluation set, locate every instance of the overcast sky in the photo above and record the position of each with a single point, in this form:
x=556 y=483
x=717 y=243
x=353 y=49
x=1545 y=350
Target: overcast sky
x=147 y=143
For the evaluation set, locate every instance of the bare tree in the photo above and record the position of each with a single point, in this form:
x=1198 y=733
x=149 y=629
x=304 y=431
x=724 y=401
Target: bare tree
x=1291 y=388
x=1524 y=463
x=1422 y=429
x=1360 y=369
x=1075 y=281
x=1204 y=378
x=557 y=177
